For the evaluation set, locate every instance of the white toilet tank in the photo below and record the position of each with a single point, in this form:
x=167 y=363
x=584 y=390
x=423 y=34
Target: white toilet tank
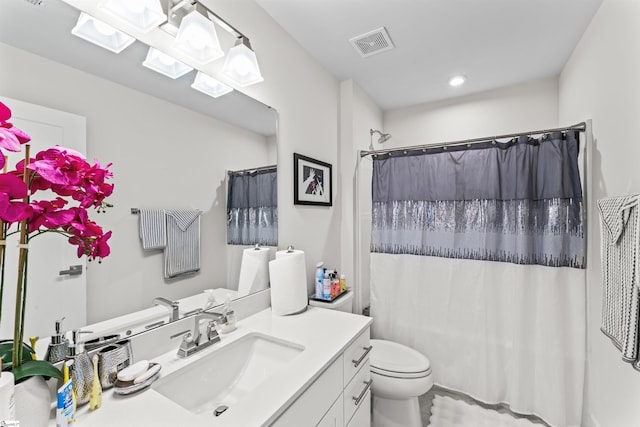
x=343 y=303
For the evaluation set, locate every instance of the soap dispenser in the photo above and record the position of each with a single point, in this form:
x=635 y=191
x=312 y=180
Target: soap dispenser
x=81 y=370
x=59 y=345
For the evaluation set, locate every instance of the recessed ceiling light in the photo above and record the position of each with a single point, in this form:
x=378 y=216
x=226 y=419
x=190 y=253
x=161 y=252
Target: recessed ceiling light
x=457 y=80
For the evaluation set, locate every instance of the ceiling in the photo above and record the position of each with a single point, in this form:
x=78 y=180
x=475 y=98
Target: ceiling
x=45 y=30
x=495 y=43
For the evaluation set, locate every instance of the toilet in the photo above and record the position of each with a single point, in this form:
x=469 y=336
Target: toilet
x=400 y=374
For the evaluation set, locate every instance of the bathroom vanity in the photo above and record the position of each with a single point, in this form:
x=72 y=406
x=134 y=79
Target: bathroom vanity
x=302 y=370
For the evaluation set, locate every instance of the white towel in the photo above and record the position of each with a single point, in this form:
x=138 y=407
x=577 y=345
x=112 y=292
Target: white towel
x=153 y=233
x=620 y=251
x=182 y=253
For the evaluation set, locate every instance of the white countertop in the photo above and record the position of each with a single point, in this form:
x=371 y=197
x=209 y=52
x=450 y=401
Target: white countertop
x=324 y=334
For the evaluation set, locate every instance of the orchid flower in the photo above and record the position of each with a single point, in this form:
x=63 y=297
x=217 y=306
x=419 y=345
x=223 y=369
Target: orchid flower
x=12 y=191
x=11 y=138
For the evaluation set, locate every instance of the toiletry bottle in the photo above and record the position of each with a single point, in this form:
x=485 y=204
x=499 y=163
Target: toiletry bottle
x=335 y=285
x=66 y=379
x=319 y=278
x=230 y=315
x=343 y=283
x=81 y=370
x=326 y=286
x=7 y=398
x=59 y=345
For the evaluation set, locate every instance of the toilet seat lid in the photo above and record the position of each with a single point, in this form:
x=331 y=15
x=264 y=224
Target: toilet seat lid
x=396 y=360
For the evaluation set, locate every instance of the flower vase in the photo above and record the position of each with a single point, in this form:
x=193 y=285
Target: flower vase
x=33 y=402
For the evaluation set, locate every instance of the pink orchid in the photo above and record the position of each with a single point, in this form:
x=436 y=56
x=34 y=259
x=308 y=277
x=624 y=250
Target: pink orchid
x=12 y=191
x=49 y=214
x=11 y=137
x=59 y=165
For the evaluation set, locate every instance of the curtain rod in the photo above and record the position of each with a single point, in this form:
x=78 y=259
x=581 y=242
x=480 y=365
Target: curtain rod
x=580 y=127
x=259 y=169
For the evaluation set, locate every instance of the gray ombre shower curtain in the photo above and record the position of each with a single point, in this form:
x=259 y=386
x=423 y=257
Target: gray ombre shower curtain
x=478 y=258
x=252 y=208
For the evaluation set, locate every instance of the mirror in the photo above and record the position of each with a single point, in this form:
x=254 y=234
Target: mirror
x=171 y=147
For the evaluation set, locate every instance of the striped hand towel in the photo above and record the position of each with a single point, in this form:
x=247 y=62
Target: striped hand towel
x=182 y=253
x=620 y=251
x=153 y=233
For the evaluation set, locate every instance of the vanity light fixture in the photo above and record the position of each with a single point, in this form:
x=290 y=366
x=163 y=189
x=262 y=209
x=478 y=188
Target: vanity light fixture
x=457 y=80
x=165 y=64
x=198 y=39
x=241 y=64
x=101 y=33
x=210 y=86
x=144 y=15
x=191 y=27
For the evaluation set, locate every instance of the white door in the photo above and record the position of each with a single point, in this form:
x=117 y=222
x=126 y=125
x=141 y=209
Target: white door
x=50 y=295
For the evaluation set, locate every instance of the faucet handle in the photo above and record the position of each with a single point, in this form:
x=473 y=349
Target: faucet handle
x=212 y=329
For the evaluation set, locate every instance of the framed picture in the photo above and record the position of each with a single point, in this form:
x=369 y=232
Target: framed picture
x=312 y=181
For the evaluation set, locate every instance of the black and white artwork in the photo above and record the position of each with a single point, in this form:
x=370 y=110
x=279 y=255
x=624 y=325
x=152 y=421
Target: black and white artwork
x=311 y=181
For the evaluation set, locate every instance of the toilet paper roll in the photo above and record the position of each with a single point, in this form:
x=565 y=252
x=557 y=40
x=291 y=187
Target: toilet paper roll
x=254 y=271
x=288 y=276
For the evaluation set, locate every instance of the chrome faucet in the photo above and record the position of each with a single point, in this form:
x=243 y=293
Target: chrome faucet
x=171 y=305
x=191 y=340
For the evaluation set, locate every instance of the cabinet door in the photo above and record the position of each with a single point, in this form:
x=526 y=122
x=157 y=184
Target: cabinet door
x=362 y=416
x=309 y=408
x=333 y=418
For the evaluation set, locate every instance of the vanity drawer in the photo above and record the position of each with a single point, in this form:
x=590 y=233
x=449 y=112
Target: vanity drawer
x=357 y=391
x=356 y=355
x=362 y=417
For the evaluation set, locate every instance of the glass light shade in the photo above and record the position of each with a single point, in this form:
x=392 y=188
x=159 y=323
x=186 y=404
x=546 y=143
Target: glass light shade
x=241 y=66
x=210 y=86
x=100 y=33
x=142 y=14
x=165 y=64
x=198 y=39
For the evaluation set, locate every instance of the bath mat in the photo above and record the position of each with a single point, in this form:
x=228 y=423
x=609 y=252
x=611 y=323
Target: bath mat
x=448 y=412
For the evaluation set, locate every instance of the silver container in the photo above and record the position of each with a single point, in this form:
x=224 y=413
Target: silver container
x=111 y=359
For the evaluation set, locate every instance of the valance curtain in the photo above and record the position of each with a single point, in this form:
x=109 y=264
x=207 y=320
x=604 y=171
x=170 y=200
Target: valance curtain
x=510 y=332
x=517 y=202
x=252 y=208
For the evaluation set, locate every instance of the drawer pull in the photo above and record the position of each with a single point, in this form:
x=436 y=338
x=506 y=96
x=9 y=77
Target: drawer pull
x=357 y=363
x=362 y=393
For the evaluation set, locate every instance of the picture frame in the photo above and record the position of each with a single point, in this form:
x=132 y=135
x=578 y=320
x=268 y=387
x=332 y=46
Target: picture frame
x=312 y=181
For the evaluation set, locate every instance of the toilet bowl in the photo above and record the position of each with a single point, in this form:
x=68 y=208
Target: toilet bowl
x=400 y=374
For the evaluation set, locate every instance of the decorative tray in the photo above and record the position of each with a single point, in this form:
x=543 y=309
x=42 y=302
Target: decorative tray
x=312 y=297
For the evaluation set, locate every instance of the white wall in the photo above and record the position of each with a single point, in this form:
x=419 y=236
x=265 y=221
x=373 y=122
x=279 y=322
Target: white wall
x=162 y=155
x=306 y=97
x=520 y=108
x=601 y=82
x=358 y=114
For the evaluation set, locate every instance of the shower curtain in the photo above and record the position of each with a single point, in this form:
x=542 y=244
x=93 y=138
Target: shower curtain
x=478 y=260
x=252 y=207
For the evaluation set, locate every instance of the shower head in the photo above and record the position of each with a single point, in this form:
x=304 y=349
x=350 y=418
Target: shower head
x=383 y=136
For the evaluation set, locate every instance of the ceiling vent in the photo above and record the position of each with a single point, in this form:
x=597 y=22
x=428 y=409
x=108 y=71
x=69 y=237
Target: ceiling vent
x=373 y=42
x=35 y=2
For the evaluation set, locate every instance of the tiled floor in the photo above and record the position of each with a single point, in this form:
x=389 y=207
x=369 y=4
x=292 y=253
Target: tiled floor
x=427 y=398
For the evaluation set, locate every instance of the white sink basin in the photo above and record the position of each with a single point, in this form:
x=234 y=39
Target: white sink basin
x=226 y=375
